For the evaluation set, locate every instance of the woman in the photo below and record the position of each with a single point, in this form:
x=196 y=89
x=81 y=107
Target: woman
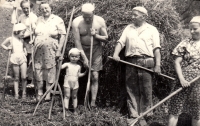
x=49 y=38
x=187 y=66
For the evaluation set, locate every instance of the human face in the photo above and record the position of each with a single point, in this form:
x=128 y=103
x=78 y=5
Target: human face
x=45 y=10
x=138 y=18
x=195 y=30
x=74 y=57
x=88 y=18
x=21 y=34
x=25 y=8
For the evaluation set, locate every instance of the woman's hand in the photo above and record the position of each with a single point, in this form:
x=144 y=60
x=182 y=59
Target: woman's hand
x=58 y=53
x=31 y=42
x=184 y=83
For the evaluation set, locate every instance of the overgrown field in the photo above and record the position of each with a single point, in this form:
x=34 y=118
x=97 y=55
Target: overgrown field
x=111 y=100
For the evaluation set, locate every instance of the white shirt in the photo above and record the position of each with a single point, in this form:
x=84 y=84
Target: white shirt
x=138 y=41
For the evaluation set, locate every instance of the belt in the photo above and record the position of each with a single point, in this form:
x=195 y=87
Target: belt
x=140 y=56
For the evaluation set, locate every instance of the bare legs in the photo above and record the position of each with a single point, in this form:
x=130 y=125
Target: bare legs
x=94 y=86
x=67 y=92
x=174 y=119
x=17 y=69
x=40 y=90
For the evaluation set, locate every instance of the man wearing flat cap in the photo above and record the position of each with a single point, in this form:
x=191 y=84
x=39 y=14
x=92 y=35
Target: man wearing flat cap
x=84 y=27
x=142 y=47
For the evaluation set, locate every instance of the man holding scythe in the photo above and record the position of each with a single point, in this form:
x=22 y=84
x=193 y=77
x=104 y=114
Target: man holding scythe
x=84 y=27
x=142 y=48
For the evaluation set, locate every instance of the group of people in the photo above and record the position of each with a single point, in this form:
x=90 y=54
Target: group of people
x=142 y=47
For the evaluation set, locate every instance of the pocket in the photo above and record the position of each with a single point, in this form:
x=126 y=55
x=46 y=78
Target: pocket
x=149 y=62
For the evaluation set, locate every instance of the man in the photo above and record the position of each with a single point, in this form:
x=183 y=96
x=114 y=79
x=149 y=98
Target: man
x=142 y=48
x=84 y=27
x=29 y=20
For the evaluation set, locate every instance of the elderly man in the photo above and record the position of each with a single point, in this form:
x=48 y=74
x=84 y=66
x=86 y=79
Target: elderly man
x=142 y=48
x=29 y=20
x=84 y=27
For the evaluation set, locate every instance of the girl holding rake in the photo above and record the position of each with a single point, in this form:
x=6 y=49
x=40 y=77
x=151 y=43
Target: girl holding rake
x=18 y=57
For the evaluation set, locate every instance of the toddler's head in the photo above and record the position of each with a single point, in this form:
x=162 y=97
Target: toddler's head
x=19 y=30
x=74 y=55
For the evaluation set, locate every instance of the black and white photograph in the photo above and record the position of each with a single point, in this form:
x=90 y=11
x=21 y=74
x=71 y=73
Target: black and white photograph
x=100 y=62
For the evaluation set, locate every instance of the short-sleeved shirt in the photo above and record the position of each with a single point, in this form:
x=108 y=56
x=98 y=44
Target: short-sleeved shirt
x=52 y=27
x=28 y=21
x=188 y=46
x=140 y=41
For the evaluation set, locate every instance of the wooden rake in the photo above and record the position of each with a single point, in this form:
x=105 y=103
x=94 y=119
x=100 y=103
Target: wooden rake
x=142 y=68
x=86 y=101
x=55 y=85
x=162 y=101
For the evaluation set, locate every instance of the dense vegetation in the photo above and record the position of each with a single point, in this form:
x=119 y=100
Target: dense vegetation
x=117 y=15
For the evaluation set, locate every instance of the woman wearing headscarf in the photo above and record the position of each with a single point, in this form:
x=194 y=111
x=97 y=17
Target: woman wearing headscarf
x=187 y=66
x=49 y=38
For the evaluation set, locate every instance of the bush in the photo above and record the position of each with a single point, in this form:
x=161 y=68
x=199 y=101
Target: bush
x=117 y=14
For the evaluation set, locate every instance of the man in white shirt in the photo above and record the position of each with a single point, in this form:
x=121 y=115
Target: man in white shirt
x=142 y=47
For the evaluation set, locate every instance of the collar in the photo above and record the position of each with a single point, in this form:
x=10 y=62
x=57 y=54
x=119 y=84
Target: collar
x=50 y=17
x=31 y=13
x=141 y=28
x=145 y=25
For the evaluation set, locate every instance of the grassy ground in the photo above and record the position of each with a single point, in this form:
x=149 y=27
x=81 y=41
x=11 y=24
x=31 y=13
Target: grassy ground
x=19 y=113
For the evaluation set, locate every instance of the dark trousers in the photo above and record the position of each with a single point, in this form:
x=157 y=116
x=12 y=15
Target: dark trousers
x=139 y=86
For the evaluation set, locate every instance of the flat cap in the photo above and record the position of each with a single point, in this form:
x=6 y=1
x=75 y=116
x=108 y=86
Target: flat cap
x=141 y=9
x=195 y=19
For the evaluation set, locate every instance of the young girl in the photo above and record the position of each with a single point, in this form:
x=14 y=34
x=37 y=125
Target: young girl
x=18 y=57
x=73 y=72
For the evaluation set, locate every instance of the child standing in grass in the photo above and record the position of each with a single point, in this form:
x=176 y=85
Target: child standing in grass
x=18 y=57
x=73 y=72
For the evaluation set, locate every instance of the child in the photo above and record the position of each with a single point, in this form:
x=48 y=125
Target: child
x=18 y=57
x=73 y=72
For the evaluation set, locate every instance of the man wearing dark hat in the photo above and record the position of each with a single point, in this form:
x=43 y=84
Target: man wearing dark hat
x=142 y=48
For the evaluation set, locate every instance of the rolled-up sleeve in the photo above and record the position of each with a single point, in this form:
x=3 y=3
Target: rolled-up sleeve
x=156 y=39
x=122 y=39
x=61 y=26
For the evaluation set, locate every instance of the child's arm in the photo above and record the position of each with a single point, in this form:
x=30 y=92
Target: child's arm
x=5 y=42
x=82 y=74
x=65 y=65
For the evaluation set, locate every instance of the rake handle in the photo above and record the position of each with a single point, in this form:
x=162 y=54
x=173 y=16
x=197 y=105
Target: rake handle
x=89 y=74
x=165 y=99
x=142 y=68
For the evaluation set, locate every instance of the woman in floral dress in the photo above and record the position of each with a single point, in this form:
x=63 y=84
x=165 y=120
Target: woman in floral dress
x=187 y=66
x=49 y=38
